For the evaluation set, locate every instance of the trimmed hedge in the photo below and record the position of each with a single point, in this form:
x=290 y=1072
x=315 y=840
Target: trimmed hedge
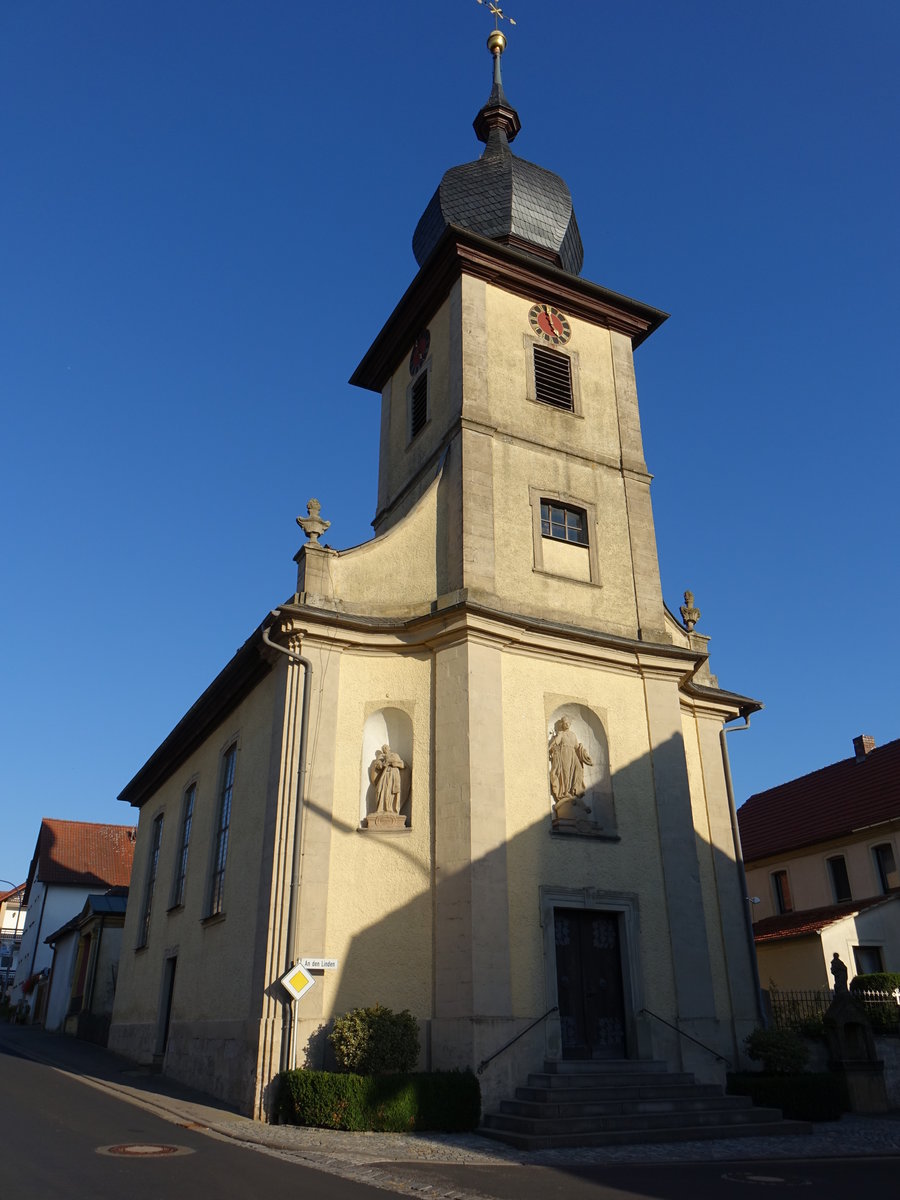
x=815 y=1096
x=449 y=1101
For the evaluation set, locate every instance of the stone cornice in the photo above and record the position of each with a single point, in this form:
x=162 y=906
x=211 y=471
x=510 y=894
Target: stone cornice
x=461 y=252
x=300 y=624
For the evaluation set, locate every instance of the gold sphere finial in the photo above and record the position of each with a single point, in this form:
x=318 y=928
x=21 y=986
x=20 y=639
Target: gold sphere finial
x=496 y=42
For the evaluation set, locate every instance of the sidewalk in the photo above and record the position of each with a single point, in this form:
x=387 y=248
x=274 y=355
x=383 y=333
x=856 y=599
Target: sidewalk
x=384 y=1159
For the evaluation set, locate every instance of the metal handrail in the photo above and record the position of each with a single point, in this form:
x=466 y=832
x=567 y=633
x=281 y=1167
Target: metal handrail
x=484 y=1062
x=681 y=1033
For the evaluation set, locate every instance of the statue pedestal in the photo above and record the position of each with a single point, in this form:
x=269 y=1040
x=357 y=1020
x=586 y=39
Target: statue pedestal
x=848 y=1033
x=385 y=820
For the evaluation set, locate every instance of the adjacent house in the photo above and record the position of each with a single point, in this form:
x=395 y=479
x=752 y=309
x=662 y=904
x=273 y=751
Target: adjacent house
x=473 y=767
x=72 y=860
x=82 y=983
x=821 y=855
x=12 y=921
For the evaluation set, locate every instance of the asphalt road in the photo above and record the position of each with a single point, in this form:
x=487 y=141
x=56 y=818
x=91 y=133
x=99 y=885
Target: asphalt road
x=822 y=1180
x=55 y=1130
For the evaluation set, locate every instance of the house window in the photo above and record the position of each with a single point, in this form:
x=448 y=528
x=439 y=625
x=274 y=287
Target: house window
x=553 y=378
x=782 y=890
x=156 y=840
x=217 y=886
x=187 y=819
x=418 y=403
x=886 y=866
x=868 y=960
x=840 y=880
x=563 y=522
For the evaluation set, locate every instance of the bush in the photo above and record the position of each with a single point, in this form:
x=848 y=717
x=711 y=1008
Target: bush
x=781 y=1051
x=878 y=981
x=374 y=1041
x=449 y=1101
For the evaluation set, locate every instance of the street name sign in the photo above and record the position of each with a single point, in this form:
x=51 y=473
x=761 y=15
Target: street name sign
x=319 y=964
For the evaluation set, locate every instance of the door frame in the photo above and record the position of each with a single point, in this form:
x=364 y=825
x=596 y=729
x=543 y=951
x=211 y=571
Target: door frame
x=623 y=905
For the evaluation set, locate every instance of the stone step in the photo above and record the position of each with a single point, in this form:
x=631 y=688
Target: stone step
x=624 y=1091
x=600 y=1108
x=582 y=1066
x=626 y=1137
x=615 y=1082
x=632 y=1122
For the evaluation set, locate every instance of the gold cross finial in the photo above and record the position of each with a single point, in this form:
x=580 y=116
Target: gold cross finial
x=496 y=12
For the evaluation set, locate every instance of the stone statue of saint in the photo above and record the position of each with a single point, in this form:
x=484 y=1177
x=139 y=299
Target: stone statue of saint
x=839 y=971
x=568 y=759
x=385 y=774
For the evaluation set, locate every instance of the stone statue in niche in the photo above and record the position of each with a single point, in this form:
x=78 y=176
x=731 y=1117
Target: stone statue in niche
x=568 y=759
x=384 y=774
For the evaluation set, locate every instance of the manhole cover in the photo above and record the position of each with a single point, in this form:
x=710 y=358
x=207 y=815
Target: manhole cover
x=761 y=1180
x=143 y=1150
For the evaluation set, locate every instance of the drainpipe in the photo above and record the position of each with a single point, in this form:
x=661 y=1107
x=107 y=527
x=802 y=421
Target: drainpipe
x=289 y=1052
x=739 y=859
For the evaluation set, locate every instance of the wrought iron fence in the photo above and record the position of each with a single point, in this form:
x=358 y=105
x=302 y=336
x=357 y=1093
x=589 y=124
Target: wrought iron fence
x=803 y=1011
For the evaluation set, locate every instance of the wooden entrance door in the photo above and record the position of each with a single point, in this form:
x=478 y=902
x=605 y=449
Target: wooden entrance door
x=589 y=983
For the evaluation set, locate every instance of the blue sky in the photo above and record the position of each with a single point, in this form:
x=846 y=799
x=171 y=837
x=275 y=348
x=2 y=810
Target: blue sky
x=206 y=217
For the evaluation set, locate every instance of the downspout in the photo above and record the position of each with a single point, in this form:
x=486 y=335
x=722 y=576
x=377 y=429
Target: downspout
x=289 y=1051
x=739 y=859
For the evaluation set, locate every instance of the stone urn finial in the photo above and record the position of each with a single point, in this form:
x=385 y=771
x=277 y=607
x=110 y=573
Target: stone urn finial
x=313 y=525
x=689 y=614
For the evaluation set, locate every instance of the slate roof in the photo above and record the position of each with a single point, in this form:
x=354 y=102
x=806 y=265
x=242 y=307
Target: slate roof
x=826 y=805
x=812 y=920
x=83 y=854
x=502 y=196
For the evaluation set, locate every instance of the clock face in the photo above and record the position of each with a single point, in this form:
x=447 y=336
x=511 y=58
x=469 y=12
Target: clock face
x=419 y=352
x=549 y=324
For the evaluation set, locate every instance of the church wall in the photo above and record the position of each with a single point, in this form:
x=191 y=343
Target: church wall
x=534 y=689
x=212 y=1036
x=379 y=884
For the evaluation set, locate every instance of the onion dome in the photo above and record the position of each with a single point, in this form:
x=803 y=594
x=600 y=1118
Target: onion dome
x=501 y=196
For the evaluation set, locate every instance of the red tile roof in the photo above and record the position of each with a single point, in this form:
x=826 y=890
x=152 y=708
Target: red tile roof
x=4 y=896
x=83 y=854
x=811 y=920
x=830 y=803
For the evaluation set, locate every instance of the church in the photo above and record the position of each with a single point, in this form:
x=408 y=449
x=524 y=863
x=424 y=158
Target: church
x=473 y=767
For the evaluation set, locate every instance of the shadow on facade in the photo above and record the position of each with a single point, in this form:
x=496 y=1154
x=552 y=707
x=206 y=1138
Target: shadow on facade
x=636 y=933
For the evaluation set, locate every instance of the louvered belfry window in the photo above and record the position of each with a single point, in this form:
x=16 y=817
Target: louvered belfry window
x=553 y=378
x=418 y=405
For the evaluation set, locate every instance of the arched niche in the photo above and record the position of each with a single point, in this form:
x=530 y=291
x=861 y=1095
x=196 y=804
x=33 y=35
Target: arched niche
x=580 y=784
x=387 y=727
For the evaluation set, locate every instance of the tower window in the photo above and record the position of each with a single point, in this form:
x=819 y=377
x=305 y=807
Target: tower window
x=564 y=523
x=553 y=378
x=418 y=404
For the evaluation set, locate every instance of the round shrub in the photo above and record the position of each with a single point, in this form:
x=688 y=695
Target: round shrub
x=781 y=1051
x=376 y=1040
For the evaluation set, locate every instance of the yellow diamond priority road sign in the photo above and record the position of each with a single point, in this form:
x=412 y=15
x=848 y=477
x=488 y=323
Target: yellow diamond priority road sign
x=298 y=981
